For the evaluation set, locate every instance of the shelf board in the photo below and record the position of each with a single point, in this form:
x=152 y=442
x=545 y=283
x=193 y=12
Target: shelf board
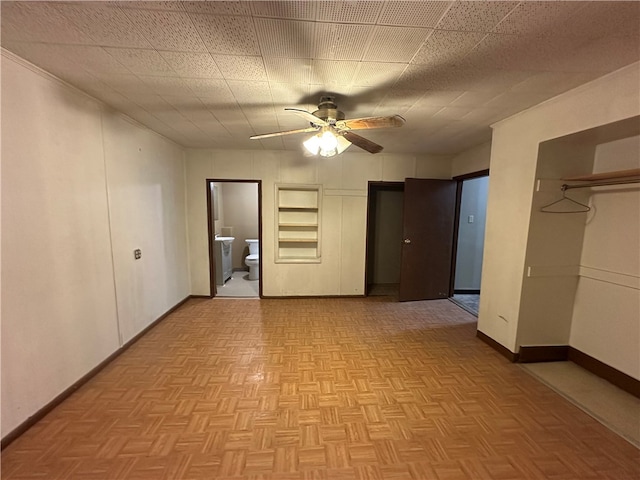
x=634 y=172
x=298 y=240
x=298 y=208
x=298 y=224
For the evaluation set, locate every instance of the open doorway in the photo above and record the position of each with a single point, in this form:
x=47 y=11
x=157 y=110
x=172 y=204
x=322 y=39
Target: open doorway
x=234 y=212
x=469 y=240
x=384 y=238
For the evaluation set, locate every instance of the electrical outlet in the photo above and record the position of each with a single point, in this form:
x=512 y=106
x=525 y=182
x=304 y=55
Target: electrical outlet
x=137 y=254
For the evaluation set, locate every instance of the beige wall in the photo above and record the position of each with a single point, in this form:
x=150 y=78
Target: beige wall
x=473 y=160
x=344 y=180
x=81 y=189
x=514 y=165
x=606 y=315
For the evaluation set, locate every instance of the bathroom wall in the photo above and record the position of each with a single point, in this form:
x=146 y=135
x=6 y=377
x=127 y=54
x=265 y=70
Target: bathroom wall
x=82 y=187
x=218 y=198
x=471 y=233
x=344 y=180
x=241 y=213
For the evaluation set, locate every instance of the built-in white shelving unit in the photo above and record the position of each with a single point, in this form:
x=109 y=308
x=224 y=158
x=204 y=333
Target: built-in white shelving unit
x=298 y=223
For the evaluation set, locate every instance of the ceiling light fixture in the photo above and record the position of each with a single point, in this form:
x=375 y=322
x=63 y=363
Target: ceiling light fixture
x=326 y=143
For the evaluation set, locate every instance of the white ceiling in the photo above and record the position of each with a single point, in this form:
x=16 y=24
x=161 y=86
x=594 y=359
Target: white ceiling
x=212 y=73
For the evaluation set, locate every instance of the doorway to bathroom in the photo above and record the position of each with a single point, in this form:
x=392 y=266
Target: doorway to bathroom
x=234 y=215
x=471 y=211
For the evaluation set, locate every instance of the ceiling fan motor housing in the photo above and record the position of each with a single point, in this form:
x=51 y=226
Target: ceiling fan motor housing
x=328 y=110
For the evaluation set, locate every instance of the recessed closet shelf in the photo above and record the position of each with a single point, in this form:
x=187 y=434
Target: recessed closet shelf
x=283 y=208
x=296 y=225
x=298 y=240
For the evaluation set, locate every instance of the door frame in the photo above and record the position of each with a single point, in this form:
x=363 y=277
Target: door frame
x=372 y=188
x=456 y=225
x=211 y=231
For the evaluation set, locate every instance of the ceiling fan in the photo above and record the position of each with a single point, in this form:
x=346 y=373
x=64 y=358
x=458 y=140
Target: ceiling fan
x=333 y=134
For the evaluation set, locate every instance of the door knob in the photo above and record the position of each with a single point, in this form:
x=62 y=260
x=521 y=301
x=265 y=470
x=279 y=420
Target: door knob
x=407 y=240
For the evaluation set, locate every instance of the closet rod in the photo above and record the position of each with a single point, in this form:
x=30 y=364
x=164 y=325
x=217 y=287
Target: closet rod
x=600 y=184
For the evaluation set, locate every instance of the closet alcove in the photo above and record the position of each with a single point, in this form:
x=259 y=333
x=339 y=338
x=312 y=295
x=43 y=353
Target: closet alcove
x=581 y=291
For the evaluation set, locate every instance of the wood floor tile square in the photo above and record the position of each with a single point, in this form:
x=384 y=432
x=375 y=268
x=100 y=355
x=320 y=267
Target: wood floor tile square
x=316 y=389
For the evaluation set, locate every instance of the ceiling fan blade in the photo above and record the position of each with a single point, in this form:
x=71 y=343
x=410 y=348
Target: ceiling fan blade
x=286 y=132
x=371 y=122
x=310 y=117
x=362 y=142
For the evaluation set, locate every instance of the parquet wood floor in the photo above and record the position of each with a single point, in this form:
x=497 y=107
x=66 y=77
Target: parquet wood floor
x=302 y=389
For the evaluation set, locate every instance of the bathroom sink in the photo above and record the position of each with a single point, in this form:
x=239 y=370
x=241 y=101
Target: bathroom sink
x=225 y=240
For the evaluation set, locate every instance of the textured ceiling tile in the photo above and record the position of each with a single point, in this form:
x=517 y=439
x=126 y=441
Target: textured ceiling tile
x=262 y=119
x=167 y=85
x=289 y=94
x=438 y=98
x=193 y=65
x=285 y=38
x=536 y=18
x=522 y=52
x=228 y=115
x=170 y=5
x=39 y=22
x=412 y=13
x=445 y=46
x=553 y=82
x=217 y=7
x=374 y=73
x=341 y=42
x=417 y=77
x=416 y=115
x=145 y=62
x=327 y=72
x=485 y=115
x=288 y=70
x=190 y=107
x=167 y=30
x=235 y=67
x=251 y=92
x=520 y=101
x=454 y=113
x=600 y=55
x=295 y=10
x=95 y=59
x=106 y=25
x=211 y=126
x=488 y=80
x=395 y=44
x=211 y=88
x=152 y=102
x=356 y=11
x=473 y=99
x=129 y=85
x=231 y=35
x=475 y=16
x=600 y=19
x=401 y=100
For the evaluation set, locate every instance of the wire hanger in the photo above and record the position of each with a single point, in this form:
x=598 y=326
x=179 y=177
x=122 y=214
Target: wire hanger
x=583 y=208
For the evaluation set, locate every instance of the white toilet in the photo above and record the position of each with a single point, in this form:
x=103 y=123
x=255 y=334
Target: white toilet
x=253 y=259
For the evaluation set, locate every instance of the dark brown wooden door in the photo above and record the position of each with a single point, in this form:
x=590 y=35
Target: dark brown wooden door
x=429 y=211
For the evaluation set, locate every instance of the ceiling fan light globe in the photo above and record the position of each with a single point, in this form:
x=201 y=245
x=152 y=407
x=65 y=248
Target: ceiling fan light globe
x=312 y=145
x=328 y=153
x=328 y=142
x=343 y=144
